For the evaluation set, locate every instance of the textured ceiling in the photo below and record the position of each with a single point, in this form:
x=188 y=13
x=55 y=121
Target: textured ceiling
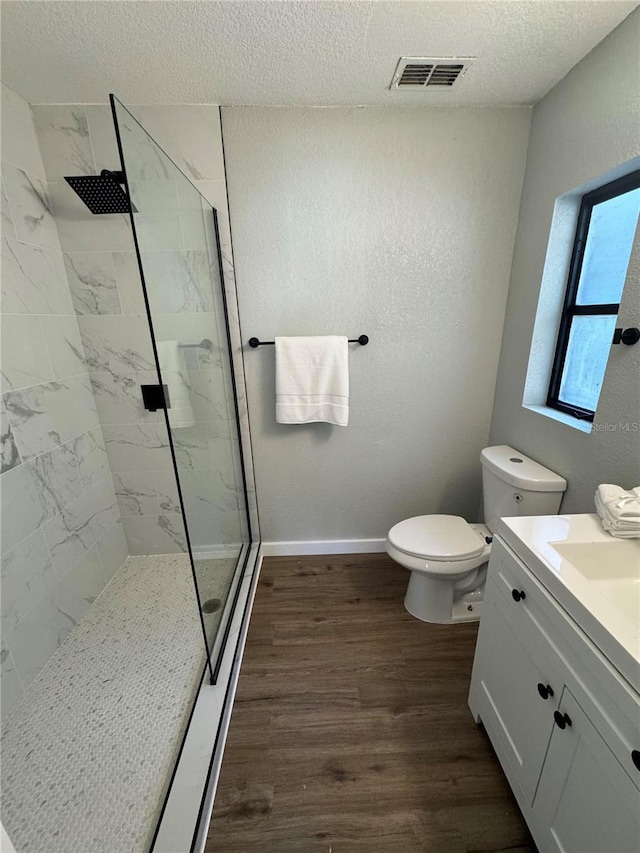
x=306 y=52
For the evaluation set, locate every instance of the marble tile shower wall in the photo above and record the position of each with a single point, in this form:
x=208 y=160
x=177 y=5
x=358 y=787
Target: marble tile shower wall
x=103 y=276
x=62 y=540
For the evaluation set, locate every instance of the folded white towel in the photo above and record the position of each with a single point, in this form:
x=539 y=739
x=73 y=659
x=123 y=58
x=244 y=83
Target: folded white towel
x=619 y=510
x=608 y=492
x=176 y=378
x=620 y=503
x=312 y=380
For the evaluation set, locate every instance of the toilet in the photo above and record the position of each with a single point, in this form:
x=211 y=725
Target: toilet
x=448 y=557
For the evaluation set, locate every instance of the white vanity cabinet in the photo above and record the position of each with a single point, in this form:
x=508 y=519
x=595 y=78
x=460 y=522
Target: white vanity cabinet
x=563 y=722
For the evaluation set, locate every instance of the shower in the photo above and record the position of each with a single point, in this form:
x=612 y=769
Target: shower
x=101 y=193
x=132 y=510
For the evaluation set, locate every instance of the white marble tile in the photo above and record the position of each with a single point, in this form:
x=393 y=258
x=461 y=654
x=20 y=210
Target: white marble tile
x=71 y=533
x=83 y=231
x=157 y=220
x=35 y=490
x=155 y=534
x=112 y=546
x=25 y=505
x=25 y=360
x=167 y=491
x=27 y=576
x=12 y=689
x=209 y=490
x=209 y=530
x=37 y=637
x=19 y=141
x=178 y=282
x=63 y=135
x=47 y=415
x=159 y=232
x=9 y=455
x=92 y=280
x=33 y=280
x=64 y=346
x=116 y=343
x=58 y=474
x=145 y=160
x=119 y=398
x=91 y=457
x=191 y=446
x=80 y=586
x=137 y=447
x=31 y=208
x=189 y=134
x=136 y=493
x=103 y=137
x=154 y=196
x=6 y=225
x=129 y=283
x=210 y=397
x=194 y=231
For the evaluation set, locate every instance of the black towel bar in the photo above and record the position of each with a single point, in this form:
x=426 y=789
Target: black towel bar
x=363 y=340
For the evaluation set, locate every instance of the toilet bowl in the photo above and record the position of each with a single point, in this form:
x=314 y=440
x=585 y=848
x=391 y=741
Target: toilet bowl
x=447 y=556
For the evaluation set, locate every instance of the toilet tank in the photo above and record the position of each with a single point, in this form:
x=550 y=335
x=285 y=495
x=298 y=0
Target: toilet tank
x=513 y=484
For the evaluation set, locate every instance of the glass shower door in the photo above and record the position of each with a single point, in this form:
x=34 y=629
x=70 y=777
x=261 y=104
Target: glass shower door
x=176 y=238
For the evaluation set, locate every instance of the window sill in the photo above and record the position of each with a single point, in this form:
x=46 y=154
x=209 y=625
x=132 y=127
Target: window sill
x=562 y=417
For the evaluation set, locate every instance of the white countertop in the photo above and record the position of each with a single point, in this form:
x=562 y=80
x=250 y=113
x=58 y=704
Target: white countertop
x=607 y=608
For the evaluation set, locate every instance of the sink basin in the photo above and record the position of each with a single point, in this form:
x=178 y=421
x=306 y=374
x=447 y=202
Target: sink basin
x=615 y=560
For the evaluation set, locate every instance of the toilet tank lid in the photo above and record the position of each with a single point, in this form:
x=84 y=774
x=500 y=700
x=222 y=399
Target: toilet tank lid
x=518 y=470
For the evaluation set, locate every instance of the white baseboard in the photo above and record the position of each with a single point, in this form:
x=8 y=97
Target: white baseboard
x=323 y=546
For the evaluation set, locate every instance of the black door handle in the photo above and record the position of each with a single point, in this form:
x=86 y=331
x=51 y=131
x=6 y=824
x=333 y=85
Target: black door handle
x=544 y=690
x=635 y=757
x=562 y=720
x=518 y=594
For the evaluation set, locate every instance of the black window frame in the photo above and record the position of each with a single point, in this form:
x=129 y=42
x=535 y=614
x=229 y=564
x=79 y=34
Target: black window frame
x=569 y=309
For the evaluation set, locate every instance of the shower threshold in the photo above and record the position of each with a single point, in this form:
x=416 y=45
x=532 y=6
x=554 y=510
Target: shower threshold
x=186 y=813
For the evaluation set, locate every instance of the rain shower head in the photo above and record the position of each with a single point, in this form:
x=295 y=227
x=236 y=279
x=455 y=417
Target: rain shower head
x=101 y=193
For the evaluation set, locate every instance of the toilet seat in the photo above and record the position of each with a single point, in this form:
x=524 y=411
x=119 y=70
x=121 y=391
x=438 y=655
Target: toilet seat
x=438 y=538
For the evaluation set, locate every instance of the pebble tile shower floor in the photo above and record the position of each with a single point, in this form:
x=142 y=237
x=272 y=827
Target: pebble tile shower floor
x=87 y=755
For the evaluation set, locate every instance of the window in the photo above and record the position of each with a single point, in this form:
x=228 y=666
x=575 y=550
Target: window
x=604 y=237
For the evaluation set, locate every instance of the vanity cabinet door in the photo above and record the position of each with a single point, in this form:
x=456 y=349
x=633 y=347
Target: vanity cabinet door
x=512 y=674
x=585 y=801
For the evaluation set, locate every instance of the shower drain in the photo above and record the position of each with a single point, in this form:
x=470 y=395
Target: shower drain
x=211 y=605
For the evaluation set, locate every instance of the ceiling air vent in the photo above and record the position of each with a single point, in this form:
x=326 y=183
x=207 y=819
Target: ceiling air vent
x=418 y=72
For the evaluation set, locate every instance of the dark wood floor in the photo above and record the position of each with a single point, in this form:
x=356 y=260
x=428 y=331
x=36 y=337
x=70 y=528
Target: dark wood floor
x=350 y=730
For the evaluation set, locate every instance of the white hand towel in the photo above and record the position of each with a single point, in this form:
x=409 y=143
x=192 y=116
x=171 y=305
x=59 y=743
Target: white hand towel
x=176 y=378
x=608 y=492
x=312 y=380
x=618 y=511
x=621 y=504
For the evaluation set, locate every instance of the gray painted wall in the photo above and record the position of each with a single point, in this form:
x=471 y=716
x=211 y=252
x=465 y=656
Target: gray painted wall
x=397 y=223
x=587 y=125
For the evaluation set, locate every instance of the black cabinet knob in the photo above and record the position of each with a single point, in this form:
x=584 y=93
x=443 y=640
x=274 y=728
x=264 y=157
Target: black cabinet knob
x=562 y=720
x=544 y=690
x=518 y=594
x=635 y=757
